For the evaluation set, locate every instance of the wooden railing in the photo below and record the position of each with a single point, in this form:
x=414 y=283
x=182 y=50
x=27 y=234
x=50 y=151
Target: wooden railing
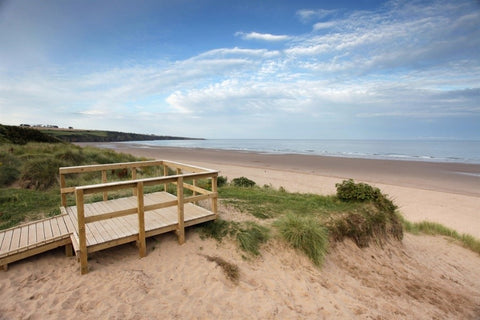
x=137 y=185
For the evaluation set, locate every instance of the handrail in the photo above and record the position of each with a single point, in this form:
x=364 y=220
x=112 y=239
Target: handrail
x=138 y=186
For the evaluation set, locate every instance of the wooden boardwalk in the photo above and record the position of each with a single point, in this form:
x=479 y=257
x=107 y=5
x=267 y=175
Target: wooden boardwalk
x=88 y=227
x=33 y=238
x=43 y=235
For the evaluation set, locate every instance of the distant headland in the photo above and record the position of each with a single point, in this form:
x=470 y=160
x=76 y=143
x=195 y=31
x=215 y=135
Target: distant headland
x=81 y=135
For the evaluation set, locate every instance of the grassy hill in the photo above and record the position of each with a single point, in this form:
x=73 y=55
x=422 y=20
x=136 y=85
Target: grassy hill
x=74 y=135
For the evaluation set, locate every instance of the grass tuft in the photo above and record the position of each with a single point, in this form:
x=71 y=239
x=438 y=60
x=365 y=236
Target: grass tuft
x=433 y=228
x=305 y=234
x=251 y=238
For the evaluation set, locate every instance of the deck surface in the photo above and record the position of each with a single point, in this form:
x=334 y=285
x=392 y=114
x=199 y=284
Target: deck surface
x=26 y=240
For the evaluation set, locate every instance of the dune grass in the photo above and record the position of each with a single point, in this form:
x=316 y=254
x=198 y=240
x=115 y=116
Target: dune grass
x=309 y=222
x=437 y=229
x=305 y=234
x=29 y=187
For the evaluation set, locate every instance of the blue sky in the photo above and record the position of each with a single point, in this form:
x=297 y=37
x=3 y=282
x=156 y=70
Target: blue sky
x=244 y=69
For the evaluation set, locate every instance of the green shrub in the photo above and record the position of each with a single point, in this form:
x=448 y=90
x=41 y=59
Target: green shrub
x=221 y=181
x=366 y=224
x=305 y=234
x=40 y=173
x=348 y=190
x=9 y=172
x=243 y=182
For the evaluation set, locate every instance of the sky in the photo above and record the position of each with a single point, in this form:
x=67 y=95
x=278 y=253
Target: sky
x=244 y=69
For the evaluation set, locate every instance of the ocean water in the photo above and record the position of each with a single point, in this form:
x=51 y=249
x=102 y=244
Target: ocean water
x=462 y=151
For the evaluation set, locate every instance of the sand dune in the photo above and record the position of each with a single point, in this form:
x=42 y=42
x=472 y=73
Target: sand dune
x=419 y=278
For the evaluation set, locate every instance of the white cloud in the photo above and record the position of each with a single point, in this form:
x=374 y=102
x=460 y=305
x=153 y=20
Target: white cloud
x=262 y=36
x=409 y=60
x=324 y=25
x=306 y=15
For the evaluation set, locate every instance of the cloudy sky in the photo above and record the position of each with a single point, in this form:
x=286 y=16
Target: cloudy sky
x=244 y=69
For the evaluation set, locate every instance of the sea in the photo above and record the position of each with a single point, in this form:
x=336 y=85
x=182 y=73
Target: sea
x=461 y=151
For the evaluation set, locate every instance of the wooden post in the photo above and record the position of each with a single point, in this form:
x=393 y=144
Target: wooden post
x=104 y=180
x=165 y=173
x=142 y=246
x=81 y=231
x=180 y=210
x=69 y=250
x=63 y=185
x=134 y=176
x=214 y=199
x=195 y=192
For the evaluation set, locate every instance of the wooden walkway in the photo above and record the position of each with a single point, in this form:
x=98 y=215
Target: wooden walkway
x=89 y=227
x=33 y=238
x=30 y=239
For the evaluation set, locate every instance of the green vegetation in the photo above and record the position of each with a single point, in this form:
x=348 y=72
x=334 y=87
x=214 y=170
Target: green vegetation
x=249 y=235
x=306 y=234
x=29 y=187
x=432 y=228
x=306 y=221
x=71 y=135
x=243 y=182
x=22 y=135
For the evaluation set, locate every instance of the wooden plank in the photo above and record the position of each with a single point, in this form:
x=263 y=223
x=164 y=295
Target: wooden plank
x=47 y=229
x=109 y=224
x=33 y=251
x=24 y=237
x=55 y=228
x=2 y=237
x=93 y=236
x=110 y=215
x=32 y=234
x=14 y=244
x=69 y=223
x=122 y=223
x=61 y=225
x=110 y=166
x=161 y=205
x=7 y=240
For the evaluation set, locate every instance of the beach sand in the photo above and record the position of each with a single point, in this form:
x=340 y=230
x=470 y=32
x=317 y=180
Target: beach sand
x=421 y=277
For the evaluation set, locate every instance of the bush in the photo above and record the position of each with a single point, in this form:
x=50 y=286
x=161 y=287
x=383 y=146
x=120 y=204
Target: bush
x=243 y=182
x=306 y=234
x=221 y=181
x=348 y=190
x=40 y=173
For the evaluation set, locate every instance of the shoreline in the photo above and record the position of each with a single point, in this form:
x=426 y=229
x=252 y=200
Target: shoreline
x=423 y=191
x=451 y=177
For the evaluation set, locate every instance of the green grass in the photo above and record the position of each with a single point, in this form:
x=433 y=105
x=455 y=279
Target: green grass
x=29 y=180
x=267 y=202
x=305 y=234
x=435 y=229
x=20 y=205
x=249 y=235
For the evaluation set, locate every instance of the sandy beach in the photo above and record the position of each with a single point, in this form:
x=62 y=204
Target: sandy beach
x=447 y=193
x=422 y=277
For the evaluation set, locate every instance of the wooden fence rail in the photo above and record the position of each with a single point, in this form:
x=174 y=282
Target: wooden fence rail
x=183 y=173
